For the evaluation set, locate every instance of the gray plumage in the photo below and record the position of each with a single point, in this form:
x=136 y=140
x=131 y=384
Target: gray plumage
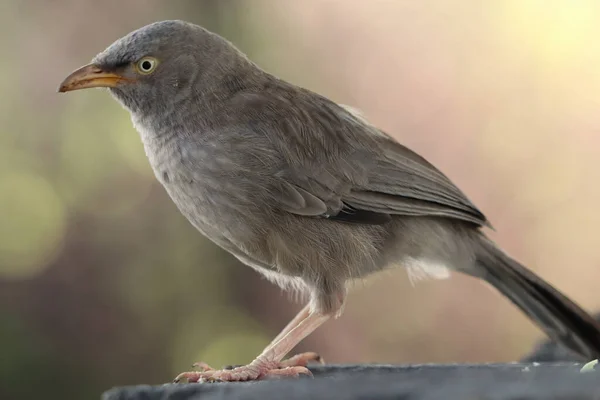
x=305 y=190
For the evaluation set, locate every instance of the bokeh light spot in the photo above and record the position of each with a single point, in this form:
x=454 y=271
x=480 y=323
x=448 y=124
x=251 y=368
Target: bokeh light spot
x=219 y=336
x=33 y=224
x=553 y=30
x=238 y=348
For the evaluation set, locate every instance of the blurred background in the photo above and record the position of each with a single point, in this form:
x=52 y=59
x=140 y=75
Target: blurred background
x=103 y=282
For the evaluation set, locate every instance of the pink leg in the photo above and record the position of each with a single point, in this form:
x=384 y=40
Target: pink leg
x=293 y=323
x=276 y=351
x=299 y=360
x=302 y=359
x=268 y=363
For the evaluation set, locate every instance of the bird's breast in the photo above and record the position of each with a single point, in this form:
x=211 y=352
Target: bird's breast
x=202 y=183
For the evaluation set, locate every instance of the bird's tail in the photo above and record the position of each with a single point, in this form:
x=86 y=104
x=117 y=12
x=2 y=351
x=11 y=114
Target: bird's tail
x=559 y=317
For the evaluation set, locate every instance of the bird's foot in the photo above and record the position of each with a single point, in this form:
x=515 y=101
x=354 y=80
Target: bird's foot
x=293 y=367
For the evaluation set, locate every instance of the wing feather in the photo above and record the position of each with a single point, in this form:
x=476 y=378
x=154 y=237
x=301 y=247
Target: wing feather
x=336 y=165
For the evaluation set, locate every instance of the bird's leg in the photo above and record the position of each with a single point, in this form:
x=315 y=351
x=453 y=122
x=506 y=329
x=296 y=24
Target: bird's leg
x=302 y=359
x=299 y=360
x=292 y=324
x=269 y=363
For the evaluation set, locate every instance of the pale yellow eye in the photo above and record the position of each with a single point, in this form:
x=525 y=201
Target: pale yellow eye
x=146 y=65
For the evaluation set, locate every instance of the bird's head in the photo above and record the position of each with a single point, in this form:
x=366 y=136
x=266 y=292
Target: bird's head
x=147 y=67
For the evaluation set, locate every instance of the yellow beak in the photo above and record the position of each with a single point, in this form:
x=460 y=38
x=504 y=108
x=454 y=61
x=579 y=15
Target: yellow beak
x=90 y=76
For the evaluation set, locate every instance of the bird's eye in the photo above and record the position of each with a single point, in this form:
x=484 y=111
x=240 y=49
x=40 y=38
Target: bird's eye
x=146 y=65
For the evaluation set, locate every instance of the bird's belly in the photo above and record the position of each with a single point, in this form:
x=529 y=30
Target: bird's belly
x=233 y=232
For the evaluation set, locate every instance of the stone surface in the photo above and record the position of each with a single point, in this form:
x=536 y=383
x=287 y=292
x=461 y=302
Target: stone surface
x=557 y=378
x=332 y=382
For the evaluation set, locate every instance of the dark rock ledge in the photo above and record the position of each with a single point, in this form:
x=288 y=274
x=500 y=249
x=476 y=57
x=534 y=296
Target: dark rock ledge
x=415 y=382
x=549 y=372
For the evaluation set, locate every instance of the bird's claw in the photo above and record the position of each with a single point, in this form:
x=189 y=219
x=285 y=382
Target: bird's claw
x=241 y=374
x=293 y=367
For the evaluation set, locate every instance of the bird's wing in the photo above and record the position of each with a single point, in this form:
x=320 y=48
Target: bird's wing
x=396 y=186
x=342 y=168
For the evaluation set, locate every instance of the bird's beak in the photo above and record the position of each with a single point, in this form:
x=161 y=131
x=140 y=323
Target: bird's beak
x=90 y=76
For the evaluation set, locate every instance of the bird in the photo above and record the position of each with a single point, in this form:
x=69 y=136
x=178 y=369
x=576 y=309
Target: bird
x=302 y=189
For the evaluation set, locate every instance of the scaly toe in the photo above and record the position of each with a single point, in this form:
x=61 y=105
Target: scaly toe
x=188 y=377
x=202 y=366
x=288 y=372
x=244 y=373
x=302 y=360
x=293 y=367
